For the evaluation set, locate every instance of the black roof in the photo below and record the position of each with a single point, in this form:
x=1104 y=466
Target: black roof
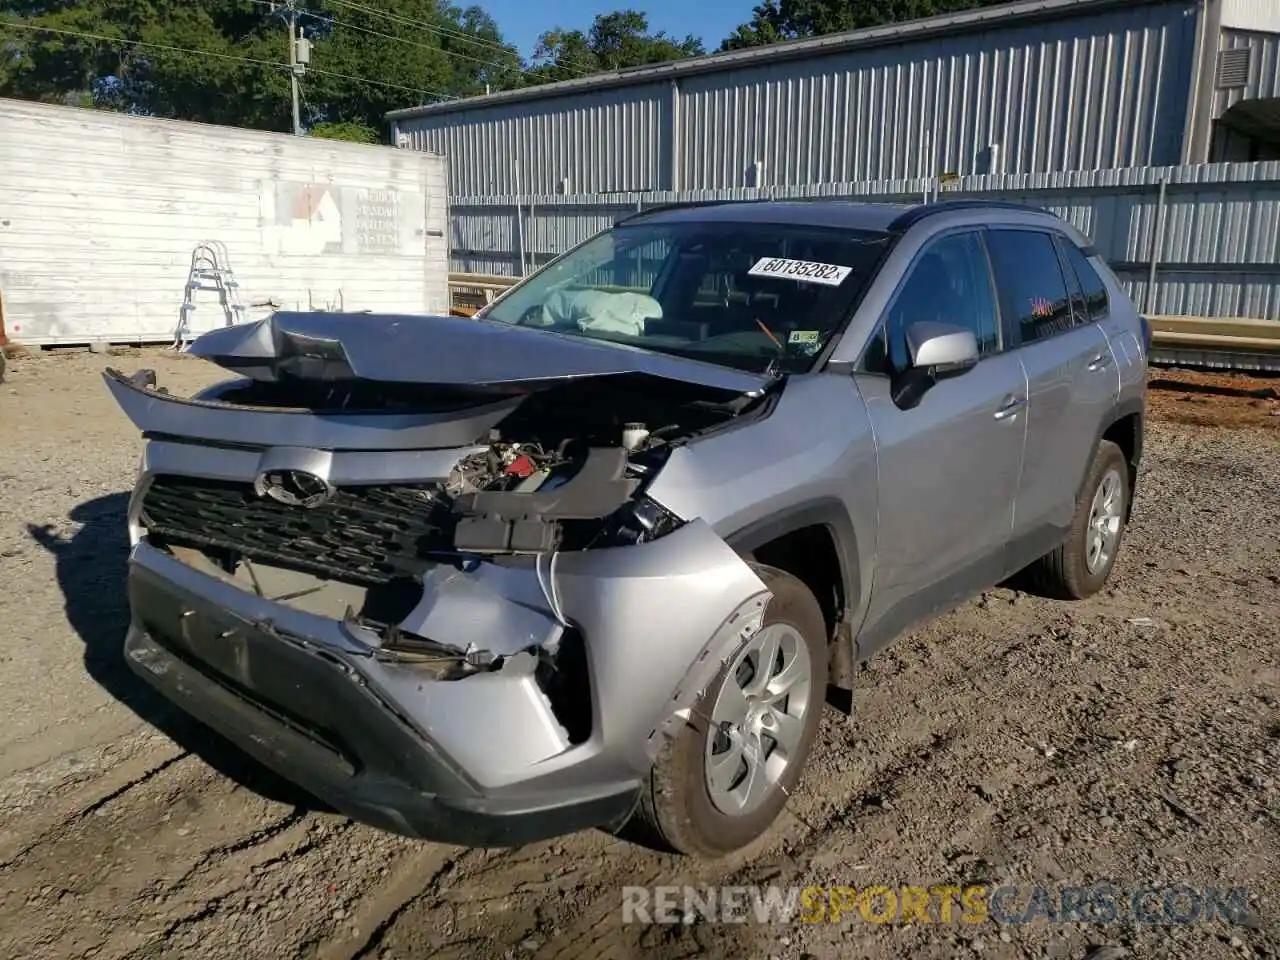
x=824 y=212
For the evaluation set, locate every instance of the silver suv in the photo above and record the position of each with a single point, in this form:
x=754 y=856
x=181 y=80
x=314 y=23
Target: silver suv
x=600 y=556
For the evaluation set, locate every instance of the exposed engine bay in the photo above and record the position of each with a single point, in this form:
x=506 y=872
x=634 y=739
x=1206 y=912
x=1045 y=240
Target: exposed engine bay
x=567 y=470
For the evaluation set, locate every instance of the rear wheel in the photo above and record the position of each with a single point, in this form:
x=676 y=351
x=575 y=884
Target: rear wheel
x=723 y=780
x=1081 y=565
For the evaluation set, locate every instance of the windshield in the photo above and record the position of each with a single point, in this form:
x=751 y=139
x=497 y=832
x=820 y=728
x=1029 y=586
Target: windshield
x=747 y=295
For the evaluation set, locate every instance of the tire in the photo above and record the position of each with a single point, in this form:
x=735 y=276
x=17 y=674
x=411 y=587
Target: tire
x=678 y=810
x=1075 y=570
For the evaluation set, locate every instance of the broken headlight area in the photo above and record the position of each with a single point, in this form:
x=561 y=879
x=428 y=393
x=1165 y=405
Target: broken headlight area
x=568 y=469
x=544 y=504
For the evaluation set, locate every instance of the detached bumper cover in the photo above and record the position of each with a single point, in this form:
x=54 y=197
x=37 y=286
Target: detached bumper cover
x=480 y=761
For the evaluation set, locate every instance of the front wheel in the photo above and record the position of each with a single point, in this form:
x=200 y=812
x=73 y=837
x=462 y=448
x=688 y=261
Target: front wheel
x=1079 y=567
x=721 y=783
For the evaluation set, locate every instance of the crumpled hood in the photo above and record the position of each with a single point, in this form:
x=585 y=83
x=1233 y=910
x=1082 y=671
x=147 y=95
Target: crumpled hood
x=445 y=351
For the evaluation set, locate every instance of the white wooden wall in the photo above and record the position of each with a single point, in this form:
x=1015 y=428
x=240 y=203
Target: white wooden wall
x=100 y=213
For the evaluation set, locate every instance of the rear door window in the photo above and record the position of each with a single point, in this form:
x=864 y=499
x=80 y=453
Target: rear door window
x=1033 y=290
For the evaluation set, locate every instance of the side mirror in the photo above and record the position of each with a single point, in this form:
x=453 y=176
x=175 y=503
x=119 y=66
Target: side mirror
x=938 y=351
x=942 y=349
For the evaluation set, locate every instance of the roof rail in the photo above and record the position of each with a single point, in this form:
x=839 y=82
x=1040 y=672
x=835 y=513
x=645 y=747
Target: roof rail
x=913 y=216
x=689 y=204
x=675 y=205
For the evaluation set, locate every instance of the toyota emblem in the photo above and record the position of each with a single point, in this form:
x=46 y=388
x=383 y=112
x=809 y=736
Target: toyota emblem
x=297 y=488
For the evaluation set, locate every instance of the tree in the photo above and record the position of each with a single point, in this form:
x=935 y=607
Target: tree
x=615 y=41
x=775 y=20
x=224 y=61
x=343 y=130
x=227 y=82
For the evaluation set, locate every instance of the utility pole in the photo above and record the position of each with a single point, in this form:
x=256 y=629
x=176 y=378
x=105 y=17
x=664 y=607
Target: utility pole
x=299 y=57
x=293 y=68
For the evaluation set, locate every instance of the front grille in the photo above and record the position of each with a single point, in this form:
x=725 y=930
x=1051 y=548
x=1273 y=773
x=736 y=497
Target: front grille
x=364 y=535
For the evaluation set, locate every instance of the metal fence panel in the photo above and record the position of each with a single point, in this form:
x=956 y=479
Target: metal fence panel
x=1214 y=228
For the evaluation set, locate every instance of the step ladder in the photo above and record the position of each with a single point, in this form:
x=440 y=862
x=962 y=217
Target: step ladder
x=210 y=272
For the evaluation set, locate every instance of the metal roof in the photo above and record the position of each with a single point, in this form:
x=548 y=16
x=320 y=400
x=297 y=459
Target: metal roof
x=965 y=22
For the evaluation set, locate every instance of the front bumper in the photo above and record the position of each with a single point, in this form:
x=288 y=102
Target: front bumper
x=479 y=761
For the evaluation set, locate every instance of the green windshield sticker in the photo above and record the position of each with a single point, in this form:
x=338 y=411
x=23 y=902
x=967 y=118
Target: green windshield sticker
x=803 y=336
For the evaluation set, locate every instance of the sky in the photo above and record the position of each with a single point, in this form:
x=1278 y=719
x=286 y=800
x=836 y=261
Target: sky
x=522 y=21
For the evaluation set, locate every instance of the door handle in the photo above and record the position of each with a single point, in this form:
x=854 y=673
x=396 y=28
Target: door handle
x=1100 y=362
x=1010 y=407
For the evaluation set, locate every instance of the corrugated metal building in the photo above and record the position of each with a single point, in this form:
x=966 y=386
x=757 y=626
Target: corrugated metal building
x=1036 y=86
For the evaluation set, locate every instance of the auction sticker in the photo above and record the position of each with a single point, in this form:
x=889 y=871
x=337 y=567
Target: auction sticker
x=806 y=271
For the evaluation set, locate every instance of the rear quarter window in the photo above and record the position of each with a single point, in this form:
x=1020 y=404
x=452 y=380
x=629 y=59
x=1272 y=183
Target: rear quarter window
x=1095 y=290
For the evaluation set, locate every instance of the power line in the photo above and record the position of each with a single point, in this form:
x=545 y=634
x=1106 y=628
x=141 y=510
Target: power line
x=275 y=65
x=421 y=46
x=381 y=83
x=347 y=24
x=448 y=32
x=423 y=25
x=138 y=43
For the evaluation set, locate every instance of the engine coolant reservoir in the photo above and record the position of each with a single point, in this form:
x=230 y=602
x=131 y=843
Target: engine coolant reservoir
x=634 y=434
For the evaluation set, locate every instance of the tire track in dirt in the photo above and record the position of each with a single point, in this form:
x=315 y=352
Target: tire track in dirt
x=583 y=913
x=422 y=876
x=90 y=799
x=179 y=817
x=199 y=894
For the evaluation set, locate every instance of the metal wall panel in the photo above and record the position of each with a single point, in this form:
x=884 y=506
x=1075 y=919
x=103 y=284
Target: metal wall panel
x=1251 y=15
x=1219 y=226
x=1264 y=68
x=1107 y=90
x=101 y=248
x=600 y=141
x=1102 y=88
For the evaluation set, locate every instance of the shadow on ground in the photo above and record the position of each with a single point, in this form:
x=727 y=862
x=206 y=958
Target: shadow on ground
x=91 y=569
x=1214 y=389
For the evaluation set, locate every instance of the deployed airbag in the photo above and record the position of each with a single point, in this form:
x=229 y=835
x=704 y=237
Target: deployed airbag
x=599 y=310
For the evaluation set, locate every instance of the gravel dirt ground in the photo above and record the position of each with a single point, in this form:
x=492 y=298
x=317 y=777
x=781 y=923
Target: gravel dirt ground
x=1133 y=739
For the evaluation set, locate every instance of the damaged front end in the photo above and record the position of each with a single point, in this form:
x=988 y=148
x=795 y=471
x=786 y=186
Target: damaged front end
x=435 y=592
